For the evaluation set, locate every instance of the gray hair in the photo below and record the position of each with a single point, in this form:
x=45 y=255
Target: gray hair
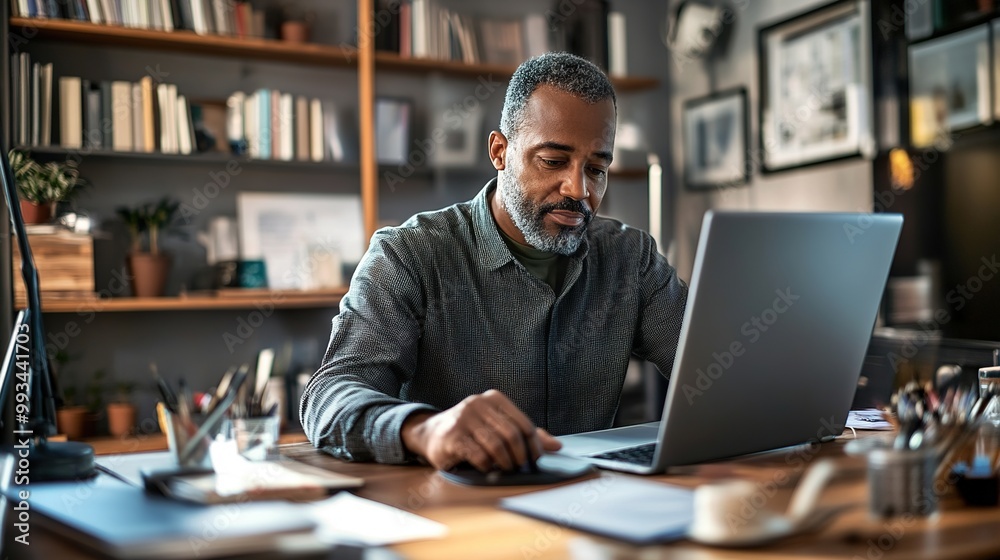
x=564 y=71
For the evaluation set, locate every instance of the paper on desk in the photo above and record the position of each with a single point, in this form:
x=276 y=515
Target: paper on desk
x=346 y=518
x=867 y=419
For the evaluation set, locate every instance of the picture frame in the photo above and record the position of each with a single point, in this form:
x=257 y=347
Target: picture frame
x=716 y=140
x=393 y=116
x=953 y=88
x=306 y=240
x=460 y=133
x=816 y=87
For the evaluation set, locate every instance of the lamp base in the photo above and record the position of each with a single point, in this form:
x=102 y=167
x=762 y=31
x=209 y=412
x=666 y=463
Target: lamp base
x=61 y=460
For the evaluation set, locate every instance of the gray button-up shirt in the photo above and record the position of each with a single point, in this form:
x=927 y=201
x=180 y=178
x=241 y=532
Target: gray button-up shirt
x=439 y=309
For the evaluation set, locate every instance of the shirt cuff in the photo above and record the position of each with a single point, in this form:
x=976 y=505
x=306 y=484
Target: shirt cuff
x=387 y=442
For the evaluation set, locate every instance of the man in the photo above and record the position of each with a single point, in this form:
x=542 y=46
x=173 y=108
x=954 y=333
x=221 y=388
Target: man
x=471 y=333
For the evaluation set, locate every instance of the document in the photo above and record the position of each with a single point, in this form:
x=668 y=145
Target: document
x=867 y=419
x=346 y=518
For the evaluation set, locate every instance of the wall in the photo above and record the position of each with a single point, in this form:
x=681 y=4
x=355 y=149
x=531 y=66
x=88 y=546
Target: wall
x=838 y=186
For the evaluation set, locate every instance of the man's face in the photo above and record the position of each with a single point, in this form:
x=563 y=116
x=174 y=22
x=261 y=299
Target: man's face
x=553 y=173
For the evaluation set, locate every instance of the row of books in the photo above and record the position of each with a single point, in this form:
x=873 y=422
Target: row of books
x=221 y=17
x=123 y=116
x=278 y=125
x=30 y=101
x=425 y=29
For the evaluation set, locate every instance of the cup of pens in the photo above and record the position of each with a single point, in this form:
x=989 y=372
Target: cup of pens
x=189 y=437
x=190 y=430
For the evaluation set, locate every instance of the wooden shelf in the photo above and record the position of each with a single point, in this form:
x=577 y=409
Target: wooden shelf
x=248 y=299
x=393 y=61
x=208 y=158
x=188 y=41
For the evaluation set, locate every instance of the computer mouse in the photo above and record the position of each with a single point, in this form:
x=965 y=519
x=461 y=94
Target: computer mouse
x=549 y=469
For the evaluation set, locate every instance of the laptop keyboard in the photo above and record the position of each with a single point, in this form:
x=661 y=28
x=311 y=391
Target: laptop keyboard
x=638 y=455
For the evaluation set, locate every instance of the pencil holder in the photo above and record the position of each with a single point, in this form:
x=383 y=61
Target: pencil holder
x=190 y=438
x=257 y=437
x=901 y=481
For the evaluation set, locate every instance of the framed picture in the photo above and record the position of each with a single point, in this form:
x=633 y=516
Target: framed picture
x=392 y=129
x=307 y=241
x=458 y=136
x=996 y=68
x=949 y=84
x=715 y=140
x=815 y=87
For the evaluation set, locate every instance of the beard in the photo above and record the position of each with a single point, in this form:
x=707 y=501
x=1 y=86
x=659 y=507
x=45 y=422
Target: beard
x=529 y=217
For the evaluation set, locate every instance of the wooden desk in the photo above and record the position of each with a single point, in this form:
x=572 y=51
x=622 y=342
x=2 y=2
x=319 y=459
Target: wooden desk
x=479 y=530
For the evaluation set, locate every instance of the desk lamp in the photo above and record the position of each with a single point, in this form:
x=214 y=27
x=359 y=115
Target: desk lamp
x=26 y=361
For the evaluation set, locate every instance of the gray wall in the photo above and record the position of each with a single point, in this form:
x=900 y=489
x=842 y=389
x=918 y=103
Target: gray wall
x=837 y=186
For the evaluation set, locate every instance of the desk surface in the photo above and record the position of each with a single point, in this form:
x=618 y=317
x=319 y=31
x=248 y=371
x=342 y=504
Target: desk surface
x=479 y=530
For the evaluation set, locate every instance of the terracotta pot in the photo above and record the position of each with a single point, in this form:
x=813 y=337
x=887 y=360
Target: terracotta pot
x=72 y=421
x=121 y=419
x=294 y=31
x=148 y=273
x=36 y=213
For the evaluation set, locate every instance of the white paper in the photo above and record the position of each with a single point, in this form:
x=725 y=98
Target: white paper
x=867 y=419
x=346 y=518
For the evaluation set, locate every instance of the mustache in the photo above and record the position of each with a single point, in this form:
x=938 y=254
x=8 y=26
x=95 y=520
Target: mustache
x=570 y=205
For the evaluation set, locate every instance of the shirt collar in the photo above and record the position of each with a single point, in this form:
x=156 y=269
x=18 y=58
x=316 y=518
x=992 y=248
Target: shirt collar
x=493 y=252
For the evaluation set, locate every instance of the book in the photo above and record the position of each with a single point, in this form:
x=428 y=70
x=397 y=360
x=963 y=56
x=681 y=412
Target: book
x=94 y=9
x=148 y=113
x=95 y=131
x=302 y=150
x=138 y=134
x=121 y=116
x=286 y=116
x=46 y=101
x=263 y=123
x=106 y=120
x=70 y=112
x=316 y=130
x=276 y=124
x=185 y=130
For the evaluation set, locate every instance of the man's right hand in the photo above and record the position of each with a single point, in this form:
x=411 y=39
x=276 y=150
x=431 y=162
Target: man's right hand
x=486 y=430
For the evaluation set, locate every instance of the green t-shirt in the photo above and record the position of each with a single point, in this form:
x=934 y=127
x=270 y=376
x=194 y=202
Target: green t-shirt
x=548 y=267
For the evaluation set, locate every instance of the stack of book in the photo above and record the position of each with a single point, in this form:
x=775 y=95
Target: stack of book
x=143 y=116
x=281 y=126
x=30 y=101
x=220 y=17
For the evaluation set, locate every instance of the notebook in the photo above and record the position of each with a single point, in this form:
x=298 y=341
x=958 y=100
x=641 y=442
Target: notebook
x=121 y=521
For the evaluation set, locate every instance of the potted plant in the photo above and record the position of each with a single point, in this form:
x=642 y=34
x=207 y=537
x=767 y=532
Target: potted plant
x=70 y=417
x=121 y=411
x=148 y=267
x=40 y=187
x=94 y=395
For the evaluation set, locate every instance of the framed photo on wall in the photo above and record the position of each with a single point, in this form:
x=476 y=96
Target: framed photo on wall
x=949 y=84
x=815 y=87
x=715 y=140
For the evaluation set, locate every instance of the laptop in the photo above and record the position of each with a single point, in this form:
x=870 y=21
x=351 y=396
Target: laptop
x=779 y=315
